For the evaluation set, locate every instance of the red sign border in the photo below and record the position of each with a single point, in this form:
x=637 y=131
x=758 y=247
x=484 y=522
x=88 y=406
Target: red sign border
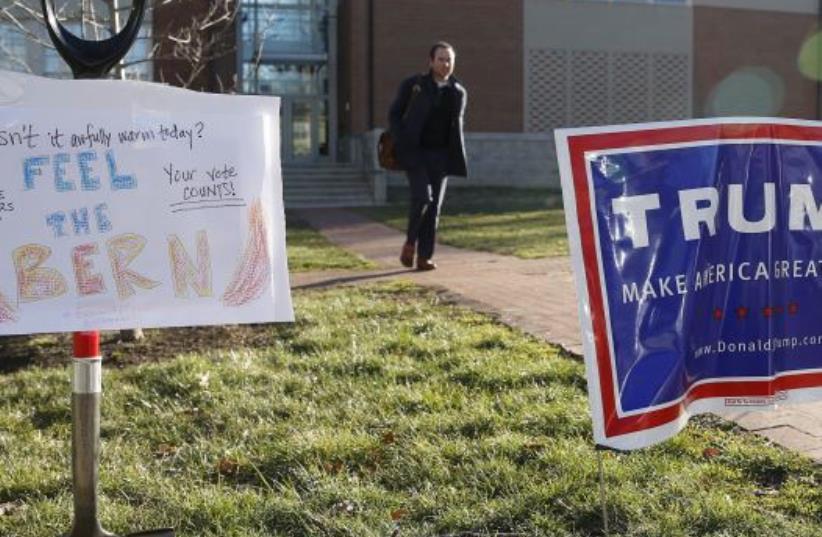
x=578 y=146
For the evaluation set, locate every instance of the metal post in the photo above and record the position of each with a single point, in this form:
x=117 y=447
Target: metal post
x=87 y=385
x=85 y=433
x=602 y=497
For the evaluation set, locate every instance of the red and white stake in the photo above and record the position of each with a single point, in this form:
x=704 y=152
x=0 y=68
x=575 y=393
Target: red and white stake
x=87 y=382
x=87 y=363
x=85 y=433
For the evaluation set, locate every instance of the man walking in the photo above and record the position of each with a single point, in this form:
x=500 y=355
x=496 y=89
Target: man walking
x=426 y=121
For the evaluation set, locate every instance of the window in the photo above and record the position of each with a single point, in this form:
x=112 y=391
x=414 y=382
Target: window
x=274 y=28
x=285 y=79
x=284 y=47
x=13 y=49
x=20 y=53
x=141 y=68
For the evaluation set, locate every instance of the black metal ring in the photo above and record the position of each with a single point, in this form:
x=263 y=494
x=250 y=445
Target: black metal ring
x=92 y=59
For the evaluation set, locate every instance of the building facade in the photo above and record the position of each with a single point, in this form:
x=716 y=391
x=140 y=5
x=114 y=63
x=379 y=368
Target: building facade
x=530 y=66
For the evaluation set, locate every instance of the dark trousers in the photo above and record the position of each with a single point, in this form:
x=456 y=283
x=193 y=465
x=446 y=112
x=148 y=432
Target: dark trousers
x=427 y=184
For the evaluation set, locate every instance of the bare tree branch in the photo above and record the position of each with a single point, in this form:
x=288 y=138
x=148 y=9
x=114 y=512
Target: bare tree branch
x=183 y=50
x=14 y=59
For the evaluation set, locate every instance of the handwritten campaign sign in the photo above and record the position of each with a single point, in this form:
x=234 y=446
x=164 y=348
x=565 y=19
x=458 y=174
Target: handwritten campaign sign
x=131 y=204
x=697 y=248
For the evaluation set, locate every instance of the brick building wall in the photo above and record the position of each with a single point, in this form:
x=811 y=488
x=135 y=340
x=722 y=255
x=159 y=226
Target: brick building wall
x=729 y=40
x=354 y=66
x=486 y=33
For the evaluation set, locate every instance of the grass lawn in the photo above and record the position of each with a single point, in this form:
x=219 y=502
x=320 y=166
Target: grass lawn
x=308 y=250
x=527 y=223
x=381 y=407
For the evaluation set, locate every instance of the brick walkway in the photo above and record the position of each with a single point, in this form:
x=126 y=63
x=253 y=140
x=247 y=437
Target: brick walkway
x=536 y=296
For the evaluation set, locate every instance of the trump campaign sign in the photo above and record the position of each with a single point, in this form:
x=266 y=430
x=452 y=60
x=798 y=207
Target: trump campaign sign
x=697 y=252
x=127 y=204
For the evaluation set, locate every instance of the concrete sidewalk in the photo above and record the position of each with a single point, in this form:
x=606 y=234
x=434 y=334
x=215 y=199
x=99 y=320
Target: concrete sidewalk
x=536 y=296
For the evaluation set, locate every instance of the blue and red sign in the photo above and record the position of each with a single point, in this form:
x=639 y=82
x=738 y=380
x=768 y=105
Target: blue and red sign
x=697 y=248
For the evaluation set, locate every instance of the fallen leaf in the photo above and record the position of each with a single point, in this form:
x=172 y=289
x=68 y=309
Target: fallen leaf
x=389 y=438
x=332 y=467
x=228 y=466
x=399 y=514
x=166 y=450
x=711 y=452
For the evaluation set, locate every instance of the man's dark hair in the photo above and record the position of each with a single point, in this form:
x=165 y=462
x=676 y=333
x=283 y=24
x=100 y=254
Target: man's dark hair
x=438 y=45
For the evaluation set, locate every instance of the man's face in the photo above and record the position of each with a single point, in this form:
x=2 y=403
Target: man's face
x=443 y=63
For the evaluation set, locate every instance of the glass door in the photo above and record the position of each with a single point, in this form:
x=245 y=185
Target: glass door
x=304 y=129
x=284 y=48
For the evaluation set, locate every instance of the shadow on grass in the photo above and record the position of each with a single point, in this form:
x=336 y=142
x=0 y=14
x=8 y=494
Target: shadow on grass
x=341 y=280
x=497 y=220
x=55 y=350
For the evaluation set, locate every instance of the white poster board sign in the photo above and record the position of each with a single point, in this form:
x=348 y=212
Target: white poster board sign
x=127 y=204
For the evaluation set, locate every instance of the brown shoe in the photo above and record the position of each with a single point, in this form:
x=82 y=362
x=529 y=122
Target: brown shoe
x=425 y=264
x=407 y=255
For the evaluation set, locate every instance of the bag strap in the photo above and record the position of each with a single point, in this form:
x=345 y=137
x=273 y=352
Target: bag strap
x=415 y=90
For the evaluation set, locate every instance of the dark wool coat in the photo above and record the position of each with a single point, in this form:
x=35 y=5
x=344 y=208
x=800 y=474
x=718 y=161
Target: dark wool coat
x=407 y=133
